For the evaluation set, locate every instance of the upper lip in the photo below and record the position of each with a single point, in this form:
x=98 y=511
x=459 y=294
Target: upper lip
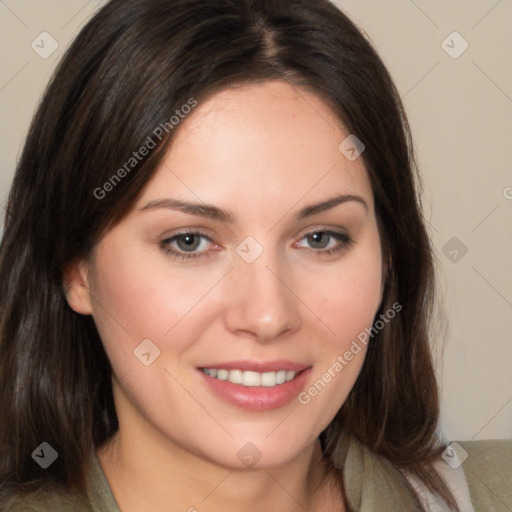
x=258 y=366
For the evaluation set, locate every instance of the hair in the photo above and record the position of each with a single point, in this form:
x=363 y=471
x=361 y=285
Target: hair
x=125 y=74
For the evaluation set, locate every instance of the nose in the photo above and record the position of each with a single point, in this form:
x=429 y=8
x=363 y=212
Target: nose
x=261 y=302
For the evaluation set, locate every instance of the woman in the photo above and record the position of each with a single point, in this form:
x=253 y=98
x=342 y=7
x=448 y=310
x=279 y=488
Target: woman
x=216 y=279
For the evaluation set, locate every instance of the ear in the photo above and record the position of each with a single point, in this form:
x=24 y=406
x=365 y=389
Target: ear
x=76 y=287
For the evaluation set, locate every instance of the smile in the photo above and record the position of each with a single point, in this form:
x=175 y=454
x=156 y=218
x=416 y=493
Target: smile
x=250 y=378
x=253 y=385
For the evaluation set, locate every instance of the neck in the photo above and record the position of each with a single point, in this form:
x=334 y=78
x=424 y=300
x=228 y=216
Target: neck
x=148 y=473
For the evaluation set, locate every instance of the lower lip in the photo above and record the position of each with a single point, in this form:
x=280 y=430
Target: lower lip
x=257 y=398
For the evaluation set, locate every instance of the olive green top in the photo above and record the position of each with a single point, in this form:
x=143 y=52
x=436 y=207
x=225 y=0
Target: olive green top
x=372 y=484
x=99 y=497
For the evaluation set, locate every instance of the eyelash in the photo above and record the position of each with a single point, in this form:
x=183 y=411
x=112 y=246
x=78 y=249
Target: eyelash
x=344 y=243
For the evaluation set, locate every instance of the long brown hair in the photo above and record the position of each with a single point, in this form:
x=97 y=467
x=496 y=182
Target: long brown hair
x=126 y=73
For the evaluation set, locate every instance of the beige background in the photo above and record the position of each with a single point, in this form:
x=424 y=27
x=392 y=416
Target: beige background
x=461 y=115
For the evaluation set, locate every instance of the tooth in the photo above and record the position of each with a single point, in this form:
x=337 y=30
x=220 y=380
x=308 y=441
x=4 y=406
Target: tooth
x=235 y=376
x=280 y=376
x=268 y=379
x=222 y=374
x=251 y=378
x=290 y=374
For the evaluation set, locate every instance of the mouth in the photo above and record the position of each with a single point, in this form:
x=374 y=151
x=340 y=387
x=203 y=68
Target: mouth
x=256 y=386
x=251 y=379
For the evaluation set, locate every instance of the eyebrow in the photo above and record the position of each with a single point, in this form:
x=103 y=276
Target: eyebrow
x=215 y=213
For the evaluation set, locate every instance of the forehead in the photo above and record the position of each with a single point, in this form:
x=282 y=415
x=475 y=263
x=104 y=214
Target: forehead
x=259 y=146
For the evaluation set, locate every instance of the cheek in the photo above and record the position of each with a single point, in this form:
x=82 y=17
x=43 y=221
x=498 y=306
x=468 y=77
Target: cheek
x=138 y=298
x=358 y=297
x=347 y=295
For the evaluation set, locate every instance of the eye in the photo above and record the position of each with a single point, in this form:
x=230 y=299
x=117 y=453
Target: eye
x=186 y=245
x=325 y=242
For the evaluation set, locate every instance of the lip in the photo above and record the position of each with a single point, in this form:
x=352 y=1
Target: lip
x=257 y=398
x=258 y=366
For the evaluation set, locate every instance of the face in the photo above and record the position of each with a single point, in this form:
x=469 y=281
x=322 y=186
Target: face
x=254 y=256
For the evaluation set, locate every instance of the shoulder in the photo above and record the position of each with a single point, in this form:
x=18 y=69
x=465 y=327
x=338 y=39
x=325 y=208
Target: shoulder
x=488 y=472
x=478 y=473
x=99 y=497
x=47 y=502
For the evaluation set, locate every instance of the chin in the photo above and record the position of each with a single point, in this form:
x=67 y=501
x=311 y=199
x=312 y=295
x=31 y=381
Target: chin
x=268 y=451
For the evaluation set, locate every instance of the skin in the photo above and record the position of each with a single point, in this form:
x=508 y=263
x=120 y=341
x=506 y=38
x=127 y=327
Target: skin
x=263 y=152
